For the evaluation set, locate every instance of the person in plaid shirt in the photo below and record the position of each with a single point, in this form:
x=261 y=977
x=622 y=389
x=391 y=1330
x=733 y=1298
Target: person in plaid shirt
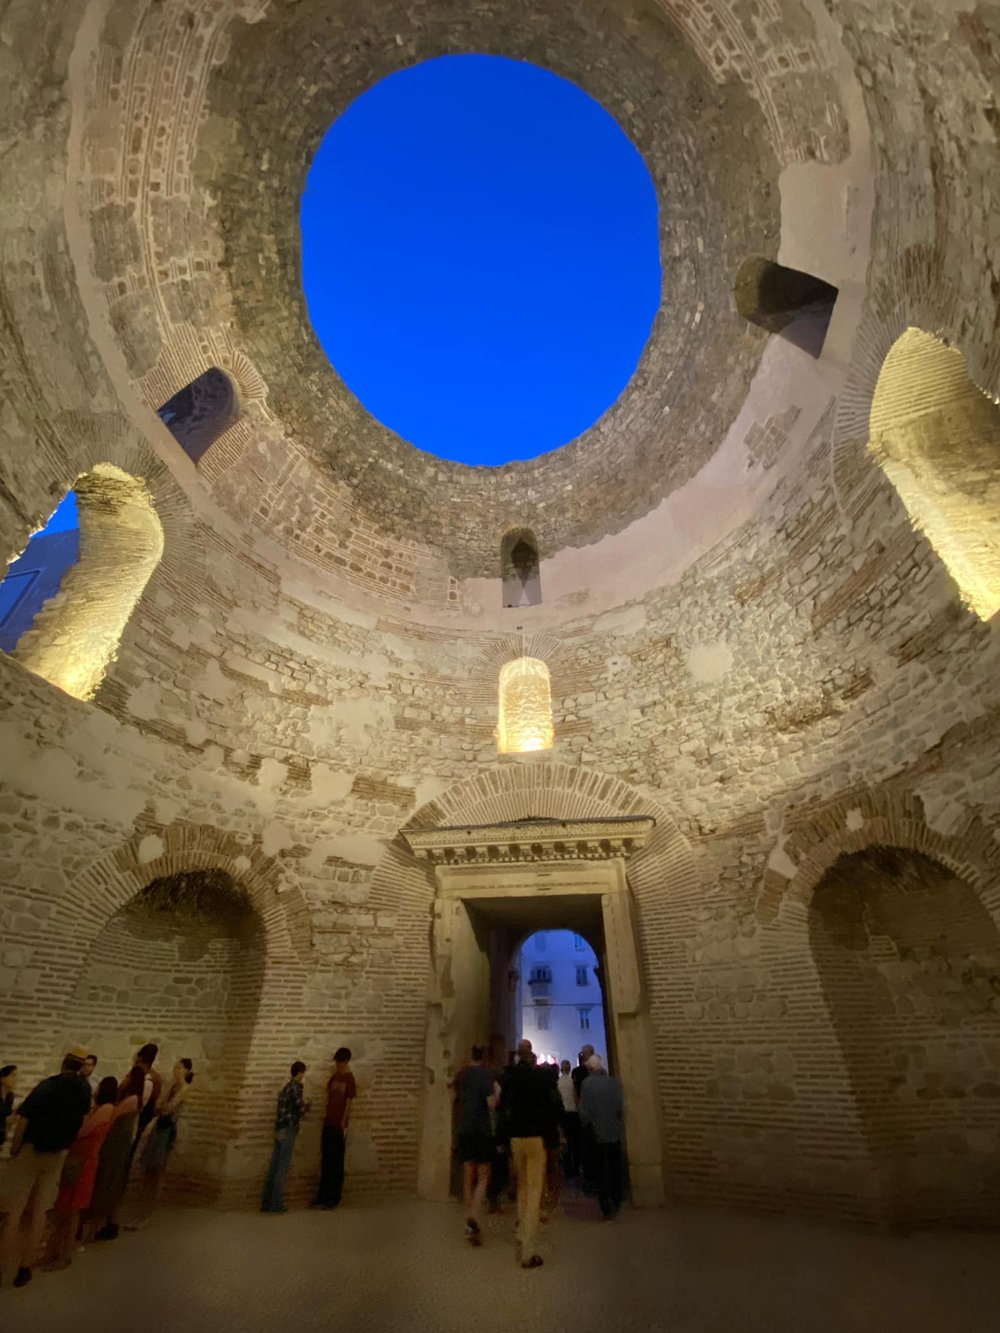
x=292 y=1106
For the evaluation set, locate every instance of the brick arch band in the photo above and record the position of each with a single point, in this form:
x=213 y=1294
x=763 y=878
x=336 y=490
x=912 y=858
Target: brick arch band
x=874 y=818
x=541 y=789
x=110 y=883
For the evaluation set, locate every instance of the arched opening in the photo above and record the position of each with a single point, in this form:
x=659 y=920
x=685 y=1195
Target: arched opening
x=75 y=629
x=560 y=1000
x=36 y=575
x=202 y=411
x=937 y=438
x=525 y=707
x=786 y=301
x=181 y=964
x=522 y=584
x=909 y=961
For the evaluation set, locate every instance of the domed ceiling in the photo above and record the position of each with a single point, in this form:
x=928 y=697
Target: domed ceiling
x=197 y=241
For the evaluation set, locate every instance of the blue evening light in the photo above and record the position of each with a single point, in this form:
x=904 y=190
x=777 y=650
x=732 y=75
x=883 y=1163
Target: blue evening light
x=64 y=518
x=481 y=257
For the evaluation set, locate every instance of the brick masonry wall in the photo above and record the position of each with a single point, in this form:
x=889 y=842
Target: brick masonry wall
x=810 y=685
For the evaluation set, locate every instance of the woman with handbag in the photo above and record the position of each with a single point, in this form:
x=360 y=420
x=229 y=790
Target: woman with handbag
x=79 y=1174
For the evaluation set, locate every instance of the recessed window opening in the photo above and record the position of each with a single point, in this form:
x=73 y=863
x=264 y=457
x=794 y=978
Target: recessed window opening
x=522 y=584
x=557 y=1014
x=786 y=301
x=582 y=976
x=88 y=569
x=200 y=412
x=525 y=707
x=35 y=576
x=481 y=256
x=937 y=438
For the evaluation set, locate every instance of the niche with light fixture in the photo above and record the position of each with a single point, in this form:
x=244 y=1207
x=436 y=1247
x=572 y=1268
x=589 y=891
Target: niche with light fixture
x=525 y=707
x=937 y=438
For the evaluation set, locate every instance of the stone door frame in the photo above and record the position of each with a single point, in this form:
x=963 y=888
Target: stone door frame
x=490 y=870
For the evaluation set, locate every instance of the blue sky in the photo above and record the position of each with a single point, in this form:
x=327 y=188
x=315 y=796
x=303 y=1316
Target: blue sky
x=65 y=516
x=481 y=257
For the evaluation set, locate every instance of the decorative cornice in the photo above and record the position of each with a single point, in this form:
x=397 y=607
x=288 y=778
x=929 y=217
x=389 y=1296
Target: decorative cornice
x=531 y=840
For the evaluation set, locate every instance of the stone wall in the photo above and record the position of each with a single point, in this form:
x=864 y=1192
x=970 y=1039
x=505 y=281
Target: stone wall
x=804 y=682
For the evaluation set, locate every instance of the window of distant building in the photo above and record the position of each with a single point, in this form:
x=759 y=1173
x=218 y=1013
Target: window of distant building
x=584 y=1019
x=582 y=976
x=542 y=1016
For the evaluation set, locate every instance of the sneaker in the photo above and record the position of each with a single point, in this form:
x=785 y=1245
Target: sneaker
x=23 y=1277
x=109 y=1232
x=472 y=1232
x=535 y=1261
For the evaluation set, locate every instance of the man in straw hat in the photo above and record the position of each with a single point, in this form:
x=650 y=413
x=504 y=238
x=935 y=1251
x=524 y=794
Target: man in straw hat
x=47 y=1122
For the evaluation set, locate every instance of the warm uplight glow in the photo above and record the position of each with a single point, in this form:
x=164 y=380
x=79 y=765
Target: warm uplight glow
x=937 y=438
x=525 y=707
x=76 y=635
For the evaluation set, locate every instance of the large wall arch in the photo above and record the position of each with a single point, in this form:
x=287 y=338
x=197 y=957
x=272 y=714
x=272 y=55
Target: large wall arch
x=111 y=882
x=813 y=843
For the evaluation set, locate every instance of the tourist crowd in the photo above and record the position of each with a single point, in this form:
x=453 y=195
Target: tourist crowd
x=74 y=1137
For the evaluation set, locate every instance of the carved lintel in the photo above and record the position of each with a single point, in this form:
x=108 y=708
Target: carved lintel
x=531 y=840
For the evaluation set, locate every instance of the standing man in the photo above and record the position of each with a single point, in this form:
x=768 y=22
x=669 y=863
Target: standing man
x=292 y=1106
x=476 y=1092
x=340 y=1092
x=47 y=1122
x=89 y=1065
x=527 y=1102
x=585 y=1155
x=601 y=1115
x=145 y=1057
x=570 y=1120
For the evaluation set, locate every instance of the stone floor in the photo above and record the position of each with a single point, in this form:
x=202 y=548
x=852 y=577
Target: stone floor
x=405 y=1267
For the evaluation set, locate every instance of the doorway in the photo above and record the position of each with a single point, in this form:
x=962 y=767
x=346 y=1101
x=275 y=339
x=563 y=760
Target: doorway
x=481 y=915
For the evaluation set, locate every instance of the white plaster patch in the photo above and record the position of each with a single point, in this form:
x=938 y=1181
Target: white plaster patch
x=626 y=620
x=212 y=683
x=710 y=661
x=241 y=865
x=54 y=777
x=855 y=820
x=151 y=848
x=144 y=702
x=429 y=789
x=348 y=722
x=781 y=862
x=271 y=775
x=329 y=786
x=942 y=814
x=195 y=730
x=274 y=837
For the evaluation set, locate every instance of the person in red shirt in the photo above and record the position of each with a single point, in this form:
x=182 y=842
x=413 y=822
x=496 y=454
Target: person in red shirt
x=340 y=1092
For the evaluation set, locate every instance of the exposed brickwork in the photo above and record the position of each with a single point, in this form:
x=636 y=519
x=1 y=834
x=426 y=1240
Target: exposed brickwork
x=310 y=667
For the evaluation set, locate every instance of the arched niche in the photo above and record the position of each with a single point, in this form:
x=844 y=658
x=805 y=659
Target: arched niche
x=786 y=301
x=521 y=580
x=202 y=411
x=525 y=722
x=937 y=438
x=909 y=962
x=76 y=633
x=181 y=964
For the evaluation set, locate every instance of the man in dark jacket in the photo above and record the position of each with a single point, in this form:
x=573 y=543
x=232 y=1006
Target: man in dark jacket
x=47 y=1122
x=527 y=1104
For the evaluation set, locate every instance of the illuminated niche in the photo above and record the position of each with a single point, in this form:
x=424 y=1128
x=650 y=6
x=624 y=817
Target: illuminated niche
x=937 y=438
x=75 y=635
x=525 y=707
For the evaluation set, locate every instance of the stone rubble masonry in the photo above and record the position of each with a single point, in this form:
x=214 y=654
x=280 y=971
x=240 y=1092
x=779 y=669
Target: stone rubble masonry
x=808 y=687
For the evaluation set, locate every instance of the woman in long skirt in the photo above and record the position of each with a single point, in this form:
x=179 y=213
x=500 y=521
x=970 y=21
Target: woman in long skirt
x=112 y=1170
